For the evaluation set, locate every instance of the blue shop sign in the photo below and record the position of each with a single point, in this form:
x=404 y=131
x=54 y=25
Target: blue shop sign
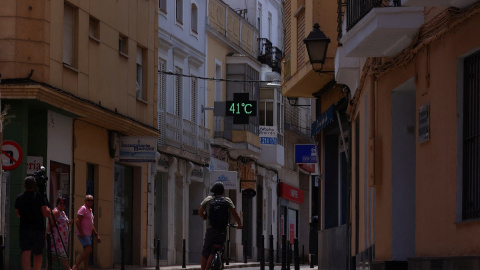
x=305 y=153
x=324 y=119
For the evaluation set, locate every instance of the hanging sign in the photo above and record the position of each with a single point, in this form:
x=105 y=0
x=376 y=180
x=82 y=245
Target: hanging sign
x=228 y=178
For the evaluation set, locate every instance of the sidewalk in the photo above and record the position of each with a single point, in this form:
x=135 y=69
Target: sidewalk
x=197 y=267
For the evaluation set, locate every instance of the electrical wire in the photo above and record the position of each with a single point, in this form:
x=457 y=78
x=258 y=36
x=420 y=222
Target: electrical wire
x=215 y=79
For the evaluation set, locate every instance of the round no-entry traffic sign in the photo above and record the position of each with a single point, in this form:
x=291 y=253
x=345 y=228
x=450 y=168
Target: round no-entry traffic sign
x=11 y=155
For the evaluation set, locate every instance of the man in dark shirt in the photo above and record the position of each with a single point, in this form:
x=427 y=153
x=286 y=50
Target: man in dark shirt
x=31 y=207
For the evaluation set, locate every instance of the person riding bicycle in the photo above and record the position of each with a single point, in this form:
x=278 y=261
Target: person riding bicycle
x=215 y=234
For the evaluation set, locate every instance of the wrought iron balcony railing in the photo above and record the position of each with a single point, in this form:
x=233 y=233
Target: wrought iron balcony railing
x=356 y=10
x=269 y=55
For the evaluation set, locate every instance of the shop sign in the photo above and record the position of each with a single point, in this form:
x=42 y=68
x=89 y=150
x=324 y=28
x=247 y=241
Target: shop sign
x=291 y=193
x=218 y=165
x=309 y=167
x=228 y=178
x=267 y=134
x=34 y=164
x=197 y=173
x=305 y=153
x=138 y=149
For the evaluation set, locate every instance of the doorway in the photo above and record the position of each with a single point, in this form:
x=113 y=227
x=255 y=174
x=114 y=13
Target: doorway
x=123 y=214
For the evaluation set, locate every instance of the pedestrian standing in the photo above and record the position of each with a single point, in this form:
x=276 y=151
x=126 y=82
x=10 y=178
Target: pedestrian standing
x=85 y=229
x=60 y=223
x=31 y=207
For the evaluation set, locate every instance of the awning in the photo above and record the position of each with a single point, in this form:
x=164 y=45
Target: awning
x=324 y=119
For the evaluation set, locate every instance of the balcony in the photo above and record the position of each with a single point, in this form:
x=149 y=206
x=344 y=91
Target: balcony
x=269 y=55
x=241 y=140
x=380 y=28
x=347 y=69
x=439 y=3
x=224 y=23
x=183 y=137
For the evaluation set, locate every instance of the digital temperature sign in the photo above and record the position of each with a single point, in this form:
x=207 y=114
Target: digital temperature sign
x=241 y=108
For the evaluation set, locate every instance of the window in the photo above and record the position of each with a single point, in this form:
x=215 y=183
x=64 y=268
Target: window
x=162 y=5
x=194 y=19
x=69 y=35
x=162 y=84
x=94 y=29
x=123 y=45
x=141 y=93
x=193 y=99
x=471 y=138
x=271 y=111
x=179 y=11
x=178 y=92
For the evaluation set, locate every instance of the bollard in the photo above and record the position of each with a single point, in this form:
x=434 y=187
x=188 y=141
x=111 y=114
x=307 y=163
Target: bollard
x=296 y=259
x=184 y=263
x=122 y=246
x=2 y=247
x=303 y=254
x=311 y=260
x=262 y=252
x=289 y=254
x=271 y=265
x=284 y=252
x=157 y=251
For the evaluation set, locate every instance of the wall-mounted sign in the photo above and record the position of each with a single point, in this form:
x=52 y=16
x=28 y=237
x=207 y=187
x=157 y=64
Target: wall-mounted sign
x=34 y=164
x=267 y=134
x=228 y=178
x=291 y=193
x=424 y=123
x=12 y=155
x=305 y=153
x=137 y=149
x=241 y=108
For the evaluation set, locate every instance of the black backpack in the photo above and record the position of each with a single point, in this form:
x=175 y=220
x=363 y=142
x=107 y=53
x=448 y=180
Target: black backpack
x=218 y=214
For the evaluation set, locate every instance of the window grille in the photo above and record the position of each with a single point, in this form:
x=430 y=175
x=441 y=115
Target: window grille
x=68 y=35
x=178 y=92
x=193 y=100
x=471 y=138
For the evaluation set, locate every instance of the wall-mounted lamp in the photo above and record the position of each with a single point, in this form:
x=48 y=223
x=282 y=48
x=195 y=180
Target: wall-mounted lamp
x=317 y=45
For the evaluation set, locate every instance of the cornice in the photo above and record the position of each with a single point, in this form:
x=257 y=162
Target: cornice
x=84 y=109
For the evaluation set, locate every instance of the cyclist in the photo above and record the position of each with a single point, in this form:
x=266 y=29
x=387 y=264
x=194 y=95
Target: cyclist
x=215 y=236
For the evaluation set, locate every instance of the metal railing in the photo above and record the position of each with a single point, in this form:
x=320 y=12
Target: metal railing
x=184 y=134
x=269 y=54
x=356 y=10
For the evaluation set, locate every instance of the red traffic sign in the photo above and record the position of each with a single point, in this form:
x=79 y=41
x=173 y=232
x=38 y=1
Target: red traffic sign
x=12 y=155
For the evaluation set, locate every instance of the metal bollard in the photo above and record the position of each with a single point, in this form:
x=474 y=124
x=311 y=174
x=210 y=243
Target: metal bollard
x=284 y=252
x=262 y=252
x=303 y=254
x=122 y=245
x=296 y=259
x=289 y=254
x=157 y=253
x=270 y=253
x=184 y=263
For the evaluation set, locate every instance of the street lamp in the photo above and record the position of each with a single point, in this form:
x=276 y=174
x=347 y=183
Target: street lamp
x=317 y=45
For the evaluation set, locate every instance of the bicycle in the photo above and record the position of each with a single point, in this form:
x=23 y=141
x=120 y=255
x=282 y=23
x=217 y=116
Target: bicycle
x=219 y=257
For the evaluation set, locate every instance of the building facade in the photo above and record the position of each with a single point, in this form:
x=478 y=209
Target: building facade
x=77 y=81
x=184 y=144
x=413 y=116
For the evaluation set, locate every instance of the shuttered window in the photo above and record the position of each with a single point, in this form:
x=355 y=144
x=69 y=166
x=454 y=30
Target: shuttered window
x=69 y=35
x=193 y=100
x=471 y=138
x=140 y=74
x=178 y=92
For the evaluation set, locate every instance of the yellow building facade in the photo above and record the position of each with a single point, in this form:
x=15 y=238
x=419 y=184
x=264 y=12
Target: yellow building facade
x=77 y=80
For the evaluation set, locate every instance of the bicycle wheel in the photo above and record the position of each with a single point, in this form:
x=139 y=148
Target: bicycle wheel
x=216 y=263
